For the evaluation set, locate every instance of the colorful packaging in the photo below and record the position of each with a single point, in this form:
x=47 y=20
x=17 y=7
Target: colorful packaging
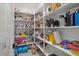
x=57 y=37
x=73 y=52
x=51 y=38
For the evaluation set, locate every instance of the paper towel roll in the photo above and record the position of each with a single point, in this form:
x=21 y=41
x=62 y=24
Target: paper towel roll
x=57 y=37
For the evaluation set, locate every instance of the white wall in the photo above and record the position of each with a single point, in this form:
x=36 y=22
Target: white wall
x=70 y=34
x=6 y=29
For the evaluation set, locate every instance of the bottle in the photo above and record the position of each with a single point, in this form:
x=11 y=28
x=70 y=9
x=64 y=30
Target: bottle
x=48 y=23
x=62 y=20
x=65 y=42
x=57 y=23
x=76 y=18
x=52 y=22
x=41 y=25
x=68 y=18
x=33 y=49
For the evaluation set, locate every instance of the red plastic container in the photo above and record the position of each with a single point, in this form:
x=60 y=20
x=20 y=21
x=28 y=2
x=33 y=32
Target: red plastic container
x=73 y=47
x=19 y=41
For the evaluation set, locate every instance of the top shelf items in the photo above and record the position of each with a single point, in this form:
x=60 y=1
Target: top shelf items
x=19 y=16
x=62 y=15
x=63 y=7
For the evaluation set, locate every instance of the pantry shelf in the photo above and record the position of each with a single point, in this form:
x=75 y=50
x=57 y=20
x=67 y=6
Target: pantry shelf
x=64 y=7
x=39 y=38
x=49 y=24
x=62 y=49
x=56 y=46
x=41 y=49
x=57 y=27
x=22 y=28
x=43 y=40
x=41 y=18
x=62 y=27
x=25 y=28
x=25 y=44
x=20 y=36
x=24 y=20
x=38 y=27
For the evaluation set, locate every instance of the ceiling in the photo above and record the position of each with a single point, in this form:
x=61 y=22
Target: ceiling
x=27 y=7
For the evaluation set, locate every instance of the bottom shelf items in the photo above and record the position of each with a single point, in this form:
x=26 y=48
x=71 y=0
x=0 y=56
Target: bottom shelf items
x=49 y=50
x=28 y=54
x=28 y=50
x=57 y=47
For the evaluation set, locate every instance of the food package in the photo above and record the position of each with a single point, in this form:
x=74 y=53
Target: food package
x=24 y=35
x=73 y=52
x=57 y=36
x=55 y=6
x=76 y=43
x=28 y=18
x=19 y=41
x=51 y=38
x=33 y=49
x=73 y=47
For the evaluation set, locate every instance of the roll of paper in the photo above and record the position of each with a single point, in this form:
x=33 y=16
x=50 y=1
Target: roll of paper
x=57 y=37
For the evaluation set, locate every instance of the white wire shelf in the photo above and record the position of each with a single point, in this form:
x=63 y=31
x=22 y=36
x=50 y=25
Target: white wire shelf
x=57 y=27
x=41 y=49
x=20 y=36
x=24 y=28
x=24 y=20
x=62 y=27
x=28 y=43
x=56 y=46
